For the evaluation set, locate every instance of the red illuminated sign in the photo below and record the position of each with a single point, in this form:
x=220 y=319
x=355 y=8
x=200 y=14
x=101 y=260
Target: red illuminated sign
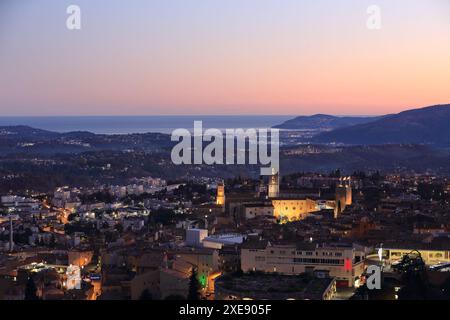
x=348 y=265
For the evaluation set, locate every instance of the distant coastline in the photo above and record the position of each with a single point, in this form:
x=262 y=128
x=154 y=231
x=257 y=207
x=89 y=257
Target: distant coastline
x=139 y=124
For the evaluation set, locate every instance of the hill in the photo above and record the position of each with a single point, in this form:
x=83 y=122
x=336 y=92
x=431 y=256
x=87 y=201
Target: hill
x=323 y=122
x=429 y=125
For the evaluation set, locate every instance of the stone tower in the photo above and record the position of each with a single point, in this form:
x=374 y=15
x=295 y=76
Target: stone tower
x=220 y=199
x=340 y=198
x=261 y=188
x=348 y=191
x=274 y=185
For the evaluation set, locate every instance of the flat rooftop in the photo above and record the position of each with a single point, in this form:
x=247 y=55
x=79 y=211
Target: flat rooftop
x=274 y=286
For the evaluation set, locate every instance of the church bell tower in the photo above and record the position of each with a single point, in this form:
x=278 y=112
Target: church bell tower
x=274 y=185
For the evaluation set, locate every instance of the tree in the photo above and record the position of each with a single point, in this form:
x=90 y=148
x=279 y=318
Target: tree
x=30 y=290
x=414 y=278
x=146 y=295
x=194 y=286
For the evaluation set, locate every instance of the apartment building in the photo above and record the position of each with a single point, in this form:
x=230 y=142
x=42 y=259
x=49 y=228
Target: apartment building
x=344 y=262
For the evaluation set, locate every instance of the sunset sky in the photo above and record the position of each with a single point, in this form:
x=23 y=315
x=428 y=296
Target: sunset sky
x=156 y=57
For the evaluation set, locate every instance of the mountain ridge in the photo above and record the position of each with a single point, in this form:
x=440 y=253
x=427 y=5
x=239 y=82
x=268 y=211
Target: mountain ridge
x=427 y=125
x=323 y=122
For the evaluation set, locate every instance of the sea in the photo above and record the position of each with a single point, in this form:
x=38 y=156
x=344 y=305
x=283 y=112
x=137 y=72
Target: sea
x=142 y=124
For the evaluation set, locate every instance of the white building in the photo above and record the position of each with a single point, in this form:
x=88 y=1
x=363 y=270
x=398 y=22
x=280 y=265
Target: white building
x=194 y=237
x=220 y=240
x=73 y=278
x=18 y=203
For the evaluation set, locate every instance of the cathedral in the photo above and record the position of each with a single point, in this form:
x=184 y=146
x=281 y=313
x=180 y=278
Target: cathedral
x=289 y=205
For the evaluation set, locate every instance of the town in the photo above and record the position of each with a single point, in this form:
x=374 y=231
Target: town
x=298 y=236
x=214 y=159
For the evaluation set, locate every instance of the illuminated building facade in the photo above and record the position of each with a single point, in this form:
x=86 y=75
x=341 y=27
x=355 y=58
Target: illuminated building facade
x=206 y=261
x=287 y=205
x=293 y=209
x=345 y=263
x=73 y=277
x=220 y=200
x=430 y=256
